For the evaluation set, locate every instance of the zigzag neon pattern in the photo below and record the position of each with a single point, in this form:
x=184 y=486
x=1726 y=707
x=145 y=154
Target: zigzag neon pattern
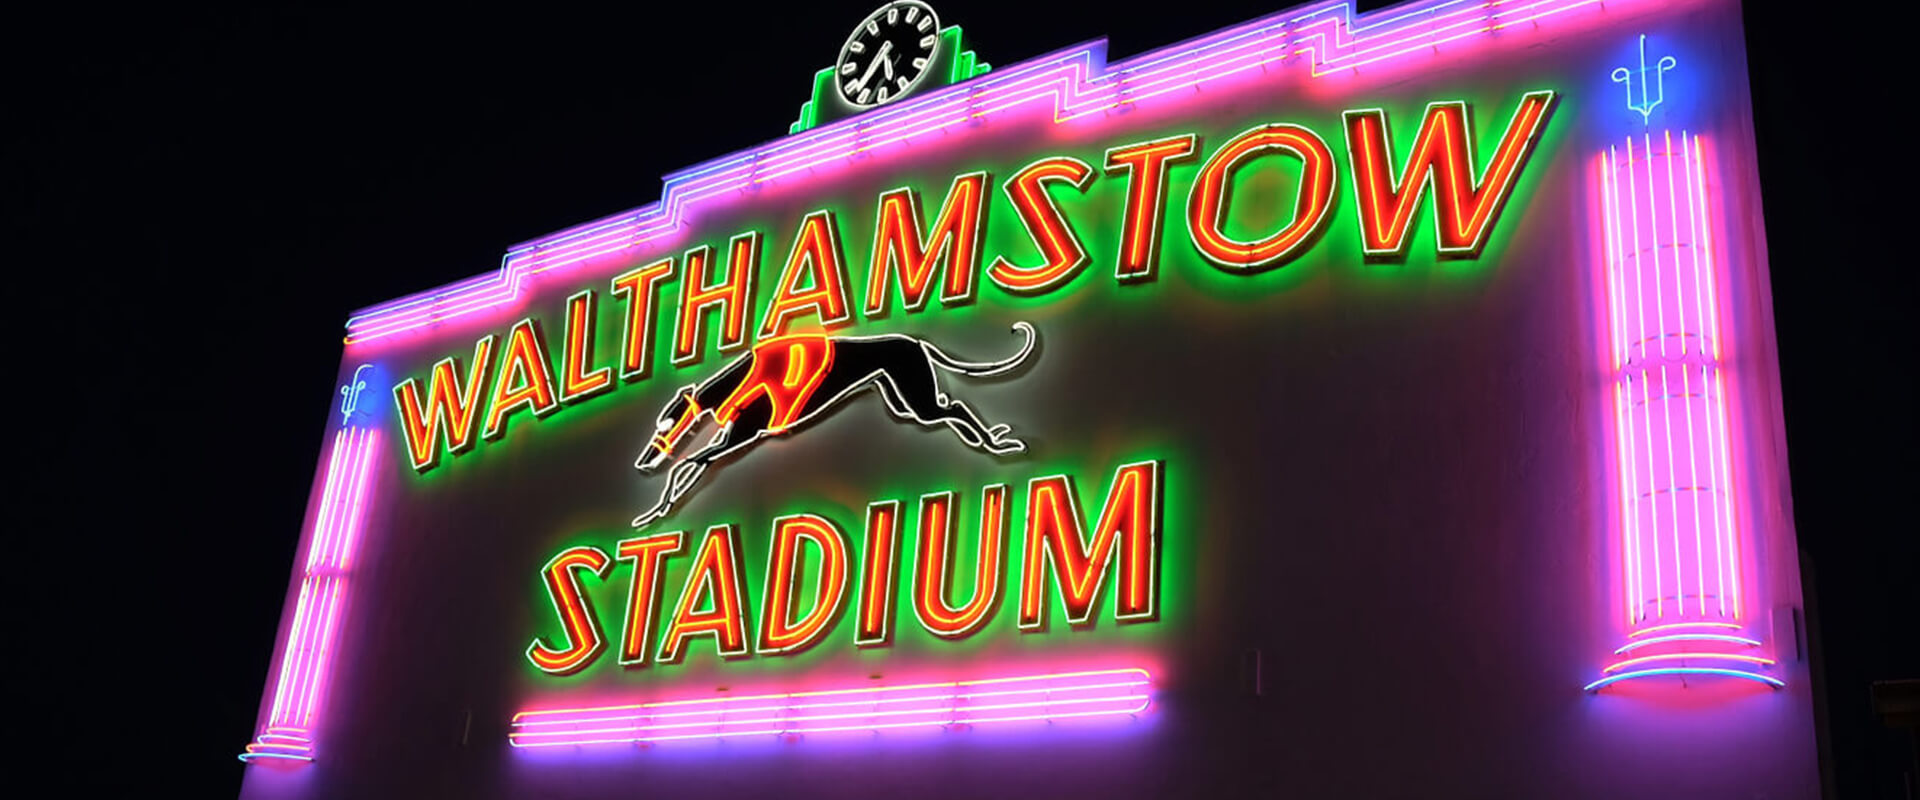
x=1074 y=83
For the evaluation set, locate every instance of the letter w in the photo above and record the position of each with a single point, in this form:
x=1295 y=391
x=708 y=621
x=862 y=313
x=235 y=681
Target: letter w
x=1442 y=158
x=449 y=410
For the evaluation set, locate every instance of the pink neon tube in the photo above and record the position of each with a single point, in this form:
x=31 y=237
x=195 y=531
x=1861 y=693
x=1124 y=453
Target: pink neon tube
x=1098 y=693
x=1680 y=538
x=316 y=615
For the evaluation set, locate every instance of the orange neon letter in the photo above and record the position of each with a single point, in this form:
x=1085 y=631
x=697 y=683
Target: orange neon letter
x=648 y=554
x=1146 y=165
x=779 y=632
x=1130 y=518
x=1464 y=209
x=449 y=413
x=733 y=294
x=899 y=251
x=579 y=625
x=575 y=382
x=816 y=256
x=1208 y=201
x=641 y=288
x=933 y=571
x=524 y=379
x=715 y=580
x=875 y=612
x=1045 y=225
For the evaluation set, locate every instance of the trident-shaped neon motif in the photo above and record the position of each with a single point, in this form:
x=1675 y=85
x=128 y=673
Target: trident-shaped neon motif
x=350 y=395
x=1647 y=101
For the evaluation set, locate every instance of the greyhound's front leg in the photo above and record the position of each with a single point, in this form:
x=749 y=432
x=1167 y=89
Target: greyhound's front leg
x=677 y=483
x=684 y=474
x=683 y=480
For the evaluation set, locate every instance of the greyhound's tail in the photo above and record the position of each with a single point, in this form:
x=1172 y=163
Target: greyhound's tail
x=978 y=369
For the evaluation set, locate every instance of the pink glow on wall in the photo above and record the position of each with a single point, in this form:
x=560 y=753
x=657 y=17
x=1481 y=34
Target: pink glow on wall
x=300 y=684
x=1681 y=541
x=1055 y=696
x=1074 y=84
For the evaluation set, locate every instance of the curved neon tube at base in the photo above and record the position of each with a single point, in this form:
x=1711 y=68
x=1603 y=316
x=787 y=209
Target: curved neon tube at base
x=1688 y=637
x=1645 y=631
x=250 y=757
x=1763 y=661
x=1730 y=673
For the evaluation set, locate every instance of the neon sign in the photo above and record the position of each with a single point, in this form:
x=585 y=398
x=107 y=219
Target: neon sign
x=1065 y=549
x=915 y=261
x=657 y=425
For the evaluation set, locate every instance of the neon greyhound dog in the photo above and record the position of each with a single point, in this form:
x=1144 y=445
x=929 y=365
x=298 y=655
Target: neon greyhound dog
x=787 y=381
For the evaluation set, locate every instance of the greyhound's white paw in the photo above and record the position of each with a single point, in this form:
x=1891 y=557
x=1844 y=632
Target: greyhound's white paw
x=1005 y=446
x=648 y=518
x=994 y=433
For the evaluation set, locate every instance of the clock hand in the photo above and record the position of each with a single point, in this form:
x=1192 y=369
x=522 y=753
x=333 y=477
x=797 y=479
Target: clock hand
x=877 y=59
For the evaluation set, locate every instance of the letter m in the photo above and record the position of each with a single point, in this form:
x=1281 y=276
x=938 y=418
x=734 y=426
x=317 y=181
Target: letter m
x=899 y=249
x=1057 y=544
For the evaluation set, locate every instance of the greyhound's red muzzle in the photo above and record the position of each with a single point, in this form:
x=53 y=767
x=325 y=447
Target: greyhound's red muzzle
x=665 y=442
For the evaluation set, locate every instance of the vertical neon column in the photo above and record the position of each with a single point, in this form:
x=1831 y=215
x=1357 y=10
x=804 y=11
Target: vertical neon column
x=1681 y=541
x=301 y=680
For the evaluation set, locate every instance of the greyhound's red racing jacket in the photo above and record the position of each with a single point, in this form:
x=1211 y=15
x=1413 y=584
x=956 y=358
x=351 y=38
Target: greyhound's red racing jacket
x=786 y=370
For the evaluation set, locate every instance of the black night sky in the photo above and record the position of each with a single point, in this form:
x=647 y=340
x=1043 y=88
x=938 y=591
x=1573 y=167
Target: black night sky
x=206 y=194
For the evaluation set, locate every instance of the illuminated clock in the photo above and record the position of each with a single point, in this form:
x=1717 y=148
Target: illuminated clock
x=888 y=53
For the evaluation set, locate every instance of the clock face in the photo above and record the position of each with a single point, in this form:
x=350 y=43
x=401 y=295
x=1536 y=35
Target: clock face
x=888 y=53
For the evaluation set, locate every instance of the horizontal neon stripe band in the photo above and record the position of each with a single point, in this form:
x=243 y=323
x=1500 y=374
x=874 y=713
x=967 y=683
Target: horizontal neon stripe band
x=766 y=727
x=1730 y=673
x=645 y=713
x=1054 y=696
x=517 y=718
x=839 y=704
x=947 y=715
x=888 y=726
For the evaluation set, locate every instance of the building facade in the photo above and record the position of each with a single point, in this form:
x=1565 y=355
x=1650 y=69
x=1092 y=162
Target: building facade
x=1336 y=404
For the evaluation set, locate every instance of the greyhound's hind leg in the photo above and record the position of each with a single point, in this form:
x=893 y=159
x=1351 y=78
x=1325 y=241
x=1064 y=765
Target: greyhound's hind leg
x=890 y=395
x=929 y=407
x=996 y=440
